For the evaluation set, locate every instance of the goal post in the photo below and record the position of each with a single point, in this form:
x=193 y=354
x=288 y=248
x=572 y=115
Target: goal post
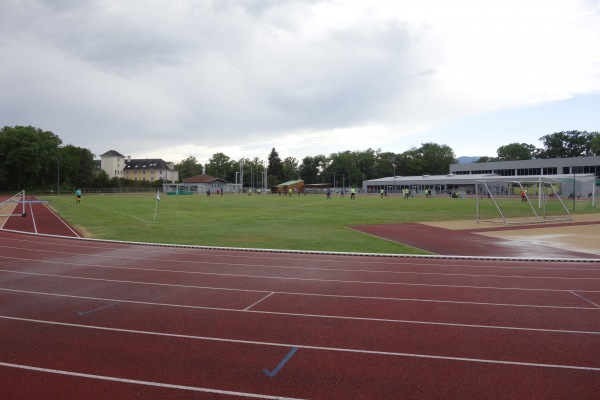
x=10 y=207
x=520 y=201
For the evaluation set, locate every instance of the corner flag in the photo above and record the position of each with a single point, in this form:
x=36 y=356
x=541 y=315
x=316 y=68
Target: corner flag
x=156 y=205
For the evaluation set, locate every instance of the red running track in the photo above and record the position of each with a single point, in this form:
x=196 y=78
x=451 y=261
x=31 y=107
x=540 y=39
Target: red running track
x=39 y=219
x=101 y=320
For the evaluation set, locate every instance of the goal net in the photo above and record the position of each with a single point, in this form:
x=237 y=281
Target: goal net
x=13 y=206
x=521 y=201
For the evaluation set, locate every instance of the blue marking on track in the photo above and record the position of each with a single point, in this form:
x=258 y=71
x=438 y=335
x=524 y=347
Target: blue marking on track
x=97 y=309
x=281 y=364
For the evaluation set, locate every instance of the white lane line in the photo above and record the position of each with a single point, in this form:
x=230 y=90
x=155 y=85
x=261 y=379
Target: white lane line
x=32 y=217
x=259 y=301
x=323 y=316
x=336 y=296
x=61 y=220
x=144 y=383
x=309 y=347
x=585 y=298
x=388 y=283
x=313 y=294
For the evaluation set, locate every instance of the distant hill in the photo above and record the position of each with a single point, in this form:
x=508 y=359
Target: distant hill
x=467 y=160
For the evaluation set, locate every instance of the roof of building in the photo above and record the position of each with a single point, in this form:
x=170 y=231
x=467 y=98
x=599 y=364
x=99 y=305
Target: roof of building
x=467 y=179
x=202 y=178
x=516 y=164
x=112 y=153
x=289 y=183
x=148 y=163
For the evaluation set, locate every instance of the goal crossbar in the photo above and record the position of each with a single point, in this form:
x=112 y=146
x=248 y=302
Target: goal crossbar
x=519 y=202
x=10 y=207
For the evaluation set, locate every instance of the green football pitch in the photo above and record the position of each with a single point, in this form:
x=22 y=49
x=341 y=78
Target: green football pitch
x=308 y=222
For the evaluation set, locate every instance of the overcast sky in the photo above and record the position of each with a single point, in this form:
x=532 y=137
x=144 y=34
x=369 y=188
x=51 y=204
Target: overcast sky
x=174 y=78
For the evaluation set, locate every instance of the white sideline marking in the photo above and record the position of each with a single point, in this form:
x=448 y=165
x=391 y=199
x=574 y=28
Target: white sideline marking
x=318 y=348
x=235 y=310
x=61 y=220
x=145 y=383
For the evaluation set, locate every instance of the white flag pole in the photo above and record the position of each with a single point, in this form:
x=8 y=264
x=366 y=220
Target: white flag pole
x=156 y=205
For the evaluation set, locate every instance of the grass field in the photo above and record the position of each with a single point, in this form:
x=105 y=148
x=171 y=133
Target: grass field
x=270 y=222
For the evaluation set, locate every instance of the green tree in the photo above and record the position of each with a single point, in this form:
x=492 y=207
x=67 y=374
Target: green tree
x=188 y=167
x=595 y=145
x=384 y=164
x=254 y=170
x=309 y=169
x=101 y=180
x=485 y=159
x=219 y=166
x=28 y=157
x=429 y=159
x=291 y=170
x=344 y=168
x=567 y=144
x=275 y=171
x=437 y=158
x=76 y=167
x=365 y=163
x=516 y=151
x=323 y=164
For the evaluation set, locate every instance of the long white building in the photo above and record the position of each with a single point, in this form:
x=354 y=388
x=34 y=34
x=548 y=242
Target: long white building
x=463 y=177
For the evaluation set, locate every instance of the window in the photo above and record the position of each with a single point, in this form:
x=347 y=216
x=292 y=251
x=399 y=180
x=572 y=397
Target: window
x=529 y=171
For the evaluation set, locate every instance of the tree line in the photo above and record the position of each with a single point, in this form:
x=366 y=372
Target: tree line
x=34 y=159
x=565 y=144
x=350 y=168
x=343 y=169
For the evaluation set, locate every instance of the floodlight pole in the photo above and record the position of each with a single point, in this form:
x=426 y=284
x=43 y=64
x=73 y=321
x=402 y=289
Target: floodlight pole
x=573 y=190
x=58 y=179
x=242 y=175
x=265 y=183
x=394 y=190
x=477 y=202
